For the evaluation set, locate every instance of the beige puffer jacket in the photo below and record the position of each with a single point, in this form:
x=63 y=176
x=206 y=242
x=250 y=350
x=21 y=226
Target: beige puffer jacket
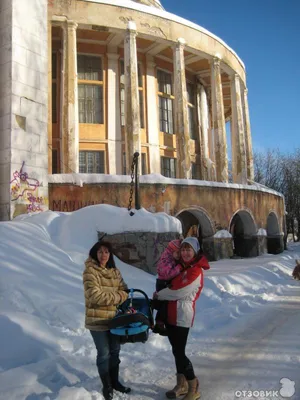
x=103 y=291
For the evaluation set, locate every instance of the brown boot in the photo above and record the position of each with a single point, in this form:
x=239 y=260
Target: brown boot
x=180 y=389
x=193 y=393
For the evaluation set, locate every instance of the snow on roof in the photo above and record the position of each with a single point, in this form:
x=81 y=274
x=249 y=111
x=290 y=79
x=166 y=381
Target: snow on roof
x=81 y=179
x=166 y=15
x=151 y=3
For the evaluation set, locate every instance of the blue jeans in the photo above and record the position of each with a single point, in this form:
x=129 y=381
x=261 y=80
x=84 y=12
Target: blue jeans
x=108 y=350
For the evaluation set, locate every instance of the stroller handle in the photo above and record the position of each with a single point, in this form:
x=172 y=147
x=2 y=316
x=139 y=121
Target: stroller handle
x=139 y=291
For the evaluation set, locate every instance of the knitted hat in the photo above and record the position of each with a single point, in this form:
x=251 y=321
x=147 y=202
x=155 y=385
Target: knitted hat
x=193 y=242
x=174 y=245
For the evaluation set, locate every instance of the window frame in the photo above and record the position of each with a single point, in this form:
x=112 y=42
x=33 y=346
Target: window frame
x=195 y=169
x=54 y=83
x=94 y=152
x=55 y=161
x=94 y=83
x=163 y=169
x=168 y=99
x=144 y=169
x=191 y=109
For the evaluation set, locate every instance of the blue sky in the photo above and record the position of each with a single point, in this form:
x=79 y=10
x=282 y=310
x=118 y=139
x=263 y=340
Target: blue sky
x=266 y=36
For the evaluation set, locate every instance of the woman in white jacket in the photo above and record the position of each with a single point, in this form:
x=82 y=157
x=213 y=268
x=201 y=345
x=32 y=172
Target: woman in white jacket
x=182 y=295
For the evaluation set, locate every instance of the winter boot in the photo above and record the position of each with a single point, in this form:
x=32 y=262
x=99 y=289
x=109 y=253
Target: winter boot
x=180 y=389
x=193 y=393
x=116 y=384
x=107 y=387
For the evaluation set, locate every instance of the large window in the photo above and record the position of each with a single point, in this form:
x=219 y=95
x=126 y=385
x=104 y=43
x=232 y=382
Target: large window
x=90 y=89
x=168 y=167
x=195 y=171
x=91 y=162
x=165 y=97
x=54 y=161
x=190 y=88
x=54 y=88
x=144 y=163
x=122 y=94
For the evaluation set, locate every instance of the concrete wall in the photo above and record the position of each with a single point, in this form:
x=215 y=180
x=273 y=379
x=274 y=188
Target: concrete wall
x=219 y=204
x=24 y=110
x=5 y=105
x=214 y=208
x=140 y=249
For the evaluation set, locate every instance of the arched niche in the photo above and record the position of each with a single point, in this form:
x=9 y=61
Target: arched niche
x=243 y=230
x=274 y=238
x=196 y=222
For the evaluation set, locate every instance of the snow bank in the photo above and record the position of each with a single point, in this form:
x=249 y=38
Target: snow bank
x=47 y=354
x=223 y=233
x=262 y=232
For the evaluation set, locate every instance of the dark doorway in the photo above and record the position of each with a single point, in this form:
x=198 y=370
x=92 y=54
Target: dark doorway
x=243 y=231
x=275 y=243
x=195 y=222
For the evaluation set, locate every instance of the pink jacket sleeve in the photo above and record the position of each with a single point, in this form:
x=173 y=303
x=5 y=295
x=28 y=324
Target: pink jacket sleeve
x=167 y=267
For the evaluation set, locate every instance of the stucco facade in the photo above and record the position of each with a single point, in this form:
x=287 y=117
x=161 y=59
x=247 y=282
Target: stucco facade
x=23 y=108
x=109 y=78
x=167 y=88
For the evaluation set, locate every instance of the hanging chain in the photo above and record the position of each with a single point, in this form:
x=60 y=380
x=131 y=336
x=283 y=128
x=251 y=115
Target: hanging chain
x=134 y=160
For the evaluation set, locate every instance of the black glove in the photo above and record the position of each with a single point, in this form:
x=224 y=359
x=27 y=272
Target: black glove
x=155 y=304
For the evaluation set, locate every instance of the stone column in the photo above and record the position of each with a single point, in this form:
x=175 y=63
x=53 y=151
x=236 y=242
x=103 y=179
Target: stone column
x=69 y=111
x=202 y=109
x=218 y=122
x=248 y=139
x=73 y=123
x=113 y=112
x=239 y=162
x=152 y=117
x=132 y=106
x=183 y=164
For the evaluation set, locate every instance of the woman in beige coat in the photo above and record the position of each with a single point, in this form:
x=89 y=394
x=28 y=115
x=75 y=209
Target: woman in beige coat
x=104 y=290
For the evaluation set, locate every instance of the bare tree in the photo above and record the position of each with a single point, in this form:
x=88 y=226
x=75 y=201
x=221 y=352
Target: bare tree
x=281 y=172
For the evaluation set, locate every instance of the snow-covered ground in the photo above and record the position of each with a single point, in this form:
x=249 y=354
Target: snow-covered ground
x=244 y=344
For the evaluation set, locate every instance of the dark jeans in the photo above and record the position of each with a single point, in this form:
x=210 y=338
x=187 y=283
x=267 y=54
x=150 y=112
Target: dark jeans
x=108 y=350
x=178 y=338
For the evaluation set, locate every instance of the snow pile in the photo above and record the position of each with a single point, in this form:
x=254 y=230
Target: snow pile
x=261 y=232
x=223 y=233
x=47 y=354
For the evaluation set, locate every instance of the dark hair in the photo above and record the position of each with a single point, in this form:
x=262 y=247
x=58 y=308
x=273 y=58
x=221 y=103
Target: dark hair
x=96 y=247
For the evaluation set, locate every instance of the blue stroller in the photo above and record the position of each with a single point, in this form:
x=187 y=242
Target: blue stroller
x=133 y=319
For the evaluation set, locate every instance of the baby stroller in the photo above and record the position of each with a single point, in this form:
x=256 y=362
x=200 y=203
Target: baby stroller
x=133 y=319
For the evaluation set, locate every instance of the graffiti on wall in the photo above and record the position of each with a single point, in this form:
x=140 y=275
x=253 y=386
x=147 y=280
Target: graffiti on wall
x=72 y=205
x=24 y=189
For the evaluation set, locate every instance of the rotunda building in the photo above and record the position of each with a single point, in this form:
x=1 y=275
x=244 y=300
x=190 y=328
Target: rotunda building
x=128 y=76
